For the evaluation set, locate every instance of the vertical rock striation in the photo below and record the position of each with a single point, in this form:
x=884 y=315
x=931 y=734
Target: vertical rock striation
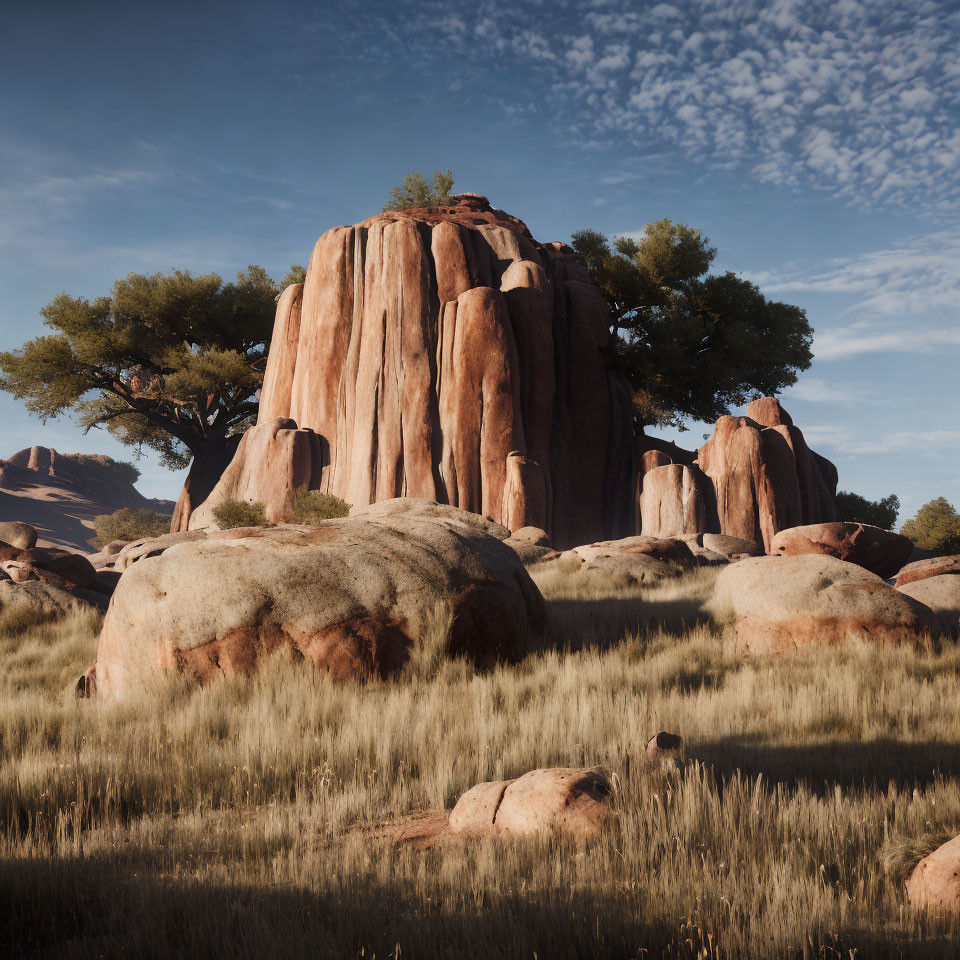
x=445 y=354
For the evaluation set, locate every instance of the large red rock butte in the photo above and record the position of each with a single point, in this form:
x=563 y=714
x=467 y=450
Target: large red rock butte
x=445 y=354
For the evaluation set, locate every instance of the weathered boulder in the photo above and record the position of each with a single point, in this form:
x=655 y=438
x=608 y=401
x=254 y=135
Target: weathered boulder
x=935 y=882
x=67 y=569
x=444 y=354
x=783 y=603
x=575 y=801
x=931 y=567
x=660 y=548
x=942 y=595
x=37 y=598
x=731 y=548
x=348 y=595
x=879 y=551
x=152 y=547
x=764 y=476
x=675 y=500
x=15 y=533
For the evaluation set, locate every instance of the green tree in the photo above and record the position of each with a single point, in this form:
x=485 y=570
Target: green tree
x=691 y=343
x=877 y=513
x=936 y=528
x=414 y=191
x=171 y=362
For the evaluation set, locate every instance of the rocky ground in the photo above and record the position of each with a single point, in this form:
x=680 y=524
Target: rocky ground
x=291 y=814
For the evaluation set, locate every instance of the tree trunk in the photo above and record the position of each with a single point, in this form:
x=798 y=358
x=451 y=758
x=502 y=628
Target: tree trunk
x=207 y=468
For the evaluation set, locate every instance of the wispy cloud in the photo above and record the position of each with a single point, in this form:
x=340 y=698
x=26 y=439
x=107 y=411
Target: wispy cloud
x=858 y=97
x=837 y=440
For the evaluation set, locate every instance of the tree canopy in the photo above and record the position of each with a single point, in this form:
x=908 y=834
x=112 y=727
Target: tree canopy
x=171 y=362
x=692 y=344
x=877 y=513
x=414 y=191
x=936 y=527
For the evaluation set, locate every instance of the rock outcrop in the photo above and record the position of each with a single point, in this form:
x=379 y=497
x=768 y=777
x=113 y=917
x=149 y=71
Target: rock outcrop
x=765 y=477
x=350 y=596
x=783 y=603
x=753 y=478
x=445 y=354
x=880 y=551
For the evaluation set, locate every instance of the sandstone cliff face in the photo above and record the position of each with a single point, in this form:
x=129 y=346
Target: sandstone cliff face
x=447 y=355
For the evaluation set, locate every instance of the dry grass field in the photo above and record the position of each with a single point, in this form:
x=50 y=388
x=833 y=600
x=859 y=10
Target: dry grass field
x=222 y=822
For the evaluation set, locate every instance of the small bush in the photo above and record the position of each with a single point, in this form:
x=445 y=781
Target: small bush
x=129 y=524
x=239 y=513
x=415 y=192
x=312 y=506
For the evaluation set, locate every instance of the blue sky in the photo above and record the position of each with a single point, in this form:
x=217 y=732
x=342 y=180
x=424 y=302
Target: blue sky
x=817 y=145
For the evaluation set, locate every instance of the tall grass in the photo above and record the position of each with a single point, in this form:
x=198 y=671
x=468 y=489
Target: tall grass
x=220 y=822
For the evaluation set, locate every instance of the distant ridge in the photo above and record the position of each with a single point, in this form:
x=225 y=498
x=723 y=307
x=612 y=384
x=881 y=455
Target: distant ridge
x=61 y=494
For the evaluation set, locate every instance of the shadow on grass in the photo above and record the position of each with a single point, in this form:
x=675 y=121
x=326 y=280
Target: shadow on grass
x=821 y=766
x=603 y=622
x=91 y=908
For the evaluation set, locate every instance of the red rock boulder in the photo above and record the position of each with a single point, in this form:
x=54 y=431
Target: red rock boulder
x=934 y=884
x=675 y=500
x=879 y=551
x=574 y=801
x=931 y=567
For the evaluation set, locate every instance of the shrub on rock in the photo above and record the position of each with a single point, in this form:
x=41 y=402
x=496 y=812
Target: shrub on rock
x=239 y=513
x=312 y=506
x=129 y=523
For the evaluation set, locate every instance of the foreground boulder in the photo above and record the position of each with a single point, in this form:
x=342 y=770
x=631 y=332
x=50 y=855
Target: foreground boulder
x=935 y=882
x=349 y=595
x=879 y=551
x=942 y=595
x=931 y=567
x=575 y=801
x=780 y=604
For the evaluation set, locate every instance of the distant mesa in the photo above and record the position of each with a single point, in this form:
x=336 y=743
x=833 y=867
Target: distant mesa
x=445 y=354
x=61 y=494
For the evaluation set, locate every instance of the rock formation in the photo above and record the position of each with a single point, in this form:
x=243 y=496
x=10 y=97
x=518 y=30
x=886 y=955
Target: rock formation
x=934 y=884
x=445 y=354
x=755 y=477
x=942 y=595
x=350 y=596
